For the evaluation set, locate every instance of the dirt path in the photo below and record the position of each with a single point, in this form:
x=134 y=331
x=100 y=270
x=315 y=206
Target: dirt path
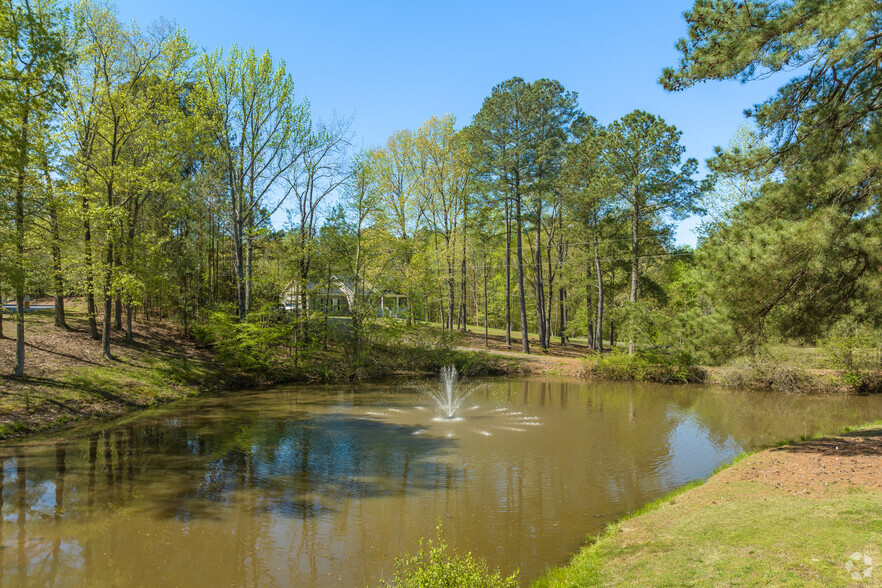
x=538 y=364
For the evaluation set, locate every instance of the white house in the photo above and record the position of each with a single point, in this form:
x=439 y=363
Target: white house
x=340 y=297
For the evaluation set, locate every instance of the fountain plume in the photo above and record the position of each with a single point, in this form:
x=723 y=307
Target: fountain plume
x=449 y=397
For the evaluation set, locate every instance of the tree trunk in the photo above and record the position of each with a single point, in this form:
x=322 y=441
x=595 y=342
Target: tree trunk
x=20 y=281
x=108 y=304
x=549 y=307
x=451 y=295
x=90 y=272
x=303 y=264
x=249 y=254
x=598 y=338
x=561 y=253
x=451 y=282
x=441 y=314
x=238 y=242
x=525 y=340
x=130 y=252
x=130 y=336
x=486 y=322
x=111 y=252
x=540 y=286
x=19 y=335
x=589 y=323
x=210 y=253
x=55 y=245
x=108 y=278
x=507 y=272
x=355 y=308
x=117 y=262
x=327 y=302
x=240 y=268
x=463 y=293
x=562 y=292
x=117 y=311
x=634 y=275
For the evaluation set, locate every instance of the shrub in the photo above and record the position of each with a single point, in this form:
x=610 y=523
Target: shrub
x=435 y=566
x=649 y=366
x=13 y=428
x=765 y=375
x=255 y=345
x=852 y=351
x=277 y=346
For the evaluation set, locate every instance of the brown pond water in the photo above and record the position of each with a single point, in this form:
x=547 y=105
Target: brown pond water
x=324 y=486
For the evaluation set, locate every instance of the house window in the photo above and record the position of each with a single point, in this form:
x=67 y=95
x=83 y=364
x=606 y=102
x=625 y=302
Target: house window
x=335 y=303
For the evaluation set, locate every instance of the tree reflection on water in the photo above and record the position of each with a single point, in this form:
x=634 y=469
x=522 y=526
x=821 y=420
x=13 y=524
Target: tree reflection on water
x=295 y=486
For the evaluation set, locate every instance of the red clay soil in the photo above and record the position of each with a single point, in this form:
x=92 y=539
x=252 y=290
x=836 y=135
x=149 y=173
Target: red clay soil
x=854 y=459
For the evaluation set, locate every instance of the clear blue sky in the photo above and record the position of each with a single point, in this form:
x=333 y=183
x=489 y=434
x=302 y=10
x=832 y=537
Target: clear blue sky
x=392 y=65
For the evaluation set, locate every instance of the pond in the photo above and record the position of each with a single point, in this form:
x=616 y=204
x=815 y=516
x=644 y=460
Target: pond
x=326 y=485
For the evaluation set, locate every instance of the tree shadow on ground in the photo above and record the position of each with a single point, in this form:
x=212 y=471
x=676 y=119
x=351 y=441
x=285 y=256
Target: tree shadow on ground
x=867 y=442
x=60 y=354
x=77 y=385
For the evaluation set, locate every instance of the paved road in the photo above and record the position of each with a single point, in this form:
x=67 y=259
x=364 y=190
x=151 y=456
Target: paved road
x=34 y=307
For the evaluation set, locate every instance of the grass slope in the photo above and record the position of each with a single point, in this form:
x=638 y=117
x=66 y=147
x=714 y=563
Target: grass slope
x=791 y=516
x=66 y=379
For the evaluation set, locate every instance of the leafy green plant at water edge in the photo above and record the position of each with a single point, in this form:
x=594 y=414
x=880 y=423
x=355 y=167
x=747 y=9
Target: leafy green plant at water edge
x=765 y=375
x=10 y=429
x=850 y=347
x=434 y=565
x=278 y=346
x=649 y=366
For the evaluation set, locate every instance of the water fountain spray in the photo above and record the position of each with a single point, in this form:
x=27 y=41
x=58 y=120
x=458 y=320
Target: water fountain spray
x=449 y=397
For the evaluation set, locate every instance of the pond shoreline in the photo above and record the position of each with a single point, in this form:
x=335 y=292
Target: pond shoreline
x=766 y=518
x=407 y=454
x=68 y=382
x=96 y=392
x=746 y=376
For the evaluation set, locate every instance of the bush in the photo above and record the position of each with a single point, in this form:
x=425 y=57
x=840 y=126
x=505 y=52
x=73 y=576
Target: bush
x=766 y=375
x=256 y=345
x=649 y=366
x=277 y=346
x=852 y=351
x=435 y=566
